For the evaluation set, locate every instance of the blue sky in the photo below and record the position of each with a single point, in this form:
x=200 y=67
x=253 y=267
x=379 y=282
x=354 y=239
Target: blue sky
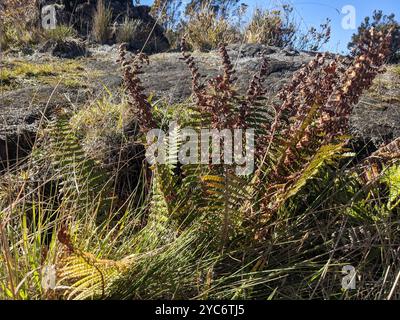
x=313 y=13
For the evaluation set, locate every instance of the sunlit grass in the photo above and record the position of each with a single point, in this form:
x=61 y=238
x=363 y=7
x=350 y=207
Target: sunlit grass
x=18 y=73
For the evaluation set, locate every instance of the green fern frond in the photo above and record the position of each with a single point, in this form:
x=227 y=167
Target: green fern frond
x=81 y=180
x=89 y=275
x=391 y=177
x=224 y=194
x=326 y=155
x=160 y=227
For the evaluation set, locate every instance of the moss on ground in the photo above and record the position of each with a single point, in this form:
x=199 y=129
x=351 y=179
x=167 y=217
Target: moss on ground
x=18 y=73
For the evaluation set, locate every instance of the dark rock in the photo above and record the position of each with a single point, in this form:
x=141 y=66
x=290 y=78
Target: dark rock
x=250 y=50
x=141 y=41
x=376 y=121
x=69 y=48
x=15 y=147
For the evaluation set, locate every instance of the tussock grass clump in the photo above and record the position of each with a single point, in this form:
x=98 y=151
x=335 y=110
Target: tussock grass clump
x=205 y=30
x=279 y=28
x=16 y=37
x=128 y=31
x=270 y=28
x=101 y=125
x=60 y=33
x=102 y=22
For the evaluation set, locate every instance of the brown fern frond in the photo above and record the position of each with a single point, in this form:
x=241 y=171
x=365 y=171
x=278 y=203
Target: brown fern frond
x=64 y=238
x=136 y=97
x=375 y=49
x=254 y=92
x=386 y=155
x=197 y=88
x=293 y=97
x=229 y=70
x=256 y=89
x=329 y=91
x=388 y=152
x=217 y=98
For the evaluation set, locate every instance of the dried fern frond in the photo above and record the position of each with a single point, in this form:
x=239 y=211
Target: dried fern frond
x=197 y=88
x=384 y=157
x=136 y=97
x=389 y=152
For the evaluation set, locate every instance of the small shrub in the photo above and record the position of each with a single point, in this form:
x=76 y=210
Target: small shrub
x=314 y=39
x=101 y=23
x=222 y=7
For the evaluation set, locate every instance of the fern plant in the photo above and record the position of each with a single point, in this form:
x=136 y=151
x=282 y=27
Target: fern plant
x=300 y=137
